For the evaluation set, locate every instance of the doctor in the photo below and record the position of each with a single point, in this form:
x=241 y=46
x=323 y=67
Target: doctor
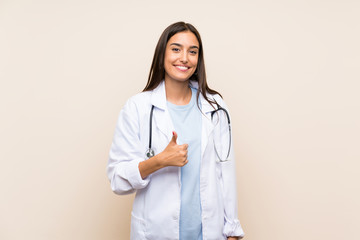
x=182 y=191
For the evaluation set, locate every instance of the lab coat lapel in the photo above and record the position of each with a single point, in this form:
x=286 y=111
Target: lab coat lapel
x=161 y=115
x=207 y=125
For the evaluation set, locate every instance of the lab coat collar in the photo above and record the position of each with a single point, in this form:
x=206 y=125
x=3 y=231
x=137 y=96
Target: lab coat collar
x=205 y=105
x=158 y=98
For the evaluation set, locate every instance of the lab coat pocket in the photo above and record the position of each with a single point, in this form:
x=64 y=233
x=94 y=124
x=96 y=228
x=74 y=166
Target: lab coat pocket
x=137 y=228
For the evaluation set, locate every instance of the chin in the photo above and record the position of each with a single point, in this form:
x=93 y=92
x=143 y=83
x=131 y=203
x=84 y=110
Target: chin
x=179 y=78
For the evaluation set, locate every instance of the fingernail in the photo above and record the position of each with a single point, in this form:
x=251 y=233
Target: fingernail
x=173 y=133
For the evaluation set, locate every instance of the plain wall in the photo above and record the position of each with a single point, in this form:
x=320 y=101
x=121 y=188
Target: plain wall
x=289 y=71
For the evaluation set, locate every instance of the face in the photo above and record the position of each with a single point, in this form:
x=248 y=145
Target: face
x=181 y=56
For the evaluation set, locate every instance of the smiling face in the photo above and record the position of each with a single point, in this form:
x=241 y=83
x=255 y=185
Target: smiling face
x=181 y=56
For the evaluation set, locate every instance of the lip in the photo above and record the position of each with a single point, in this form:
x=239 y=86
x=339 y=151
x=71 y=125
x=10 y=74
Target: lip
x=182 y=68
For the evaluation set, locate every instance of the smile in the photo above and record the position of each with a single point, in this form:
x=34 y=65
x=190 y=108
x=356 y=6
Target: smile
x=182 y=68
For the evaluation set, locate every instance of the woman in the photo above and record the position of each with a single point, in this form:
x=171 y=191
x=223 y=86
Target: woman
x=164 y=149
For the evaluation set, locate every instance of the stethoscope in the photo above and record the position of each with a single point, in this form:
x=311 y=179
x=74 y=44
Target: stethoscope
x=150 y=151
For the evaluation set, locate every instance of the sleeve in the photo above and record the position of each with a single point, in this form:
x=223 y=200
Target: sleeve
x=126 y=153
x=232 y=225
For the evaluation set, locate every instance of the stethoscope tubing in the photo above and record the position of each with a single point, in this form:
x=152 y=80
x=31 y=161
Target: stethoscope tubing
x=229 y=125
x=150 y=152
x=150 y=132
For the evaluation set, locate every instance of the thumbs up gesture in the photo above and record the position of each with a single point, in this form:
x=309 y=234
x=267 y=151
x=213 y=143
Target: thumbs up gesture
x=174 y=154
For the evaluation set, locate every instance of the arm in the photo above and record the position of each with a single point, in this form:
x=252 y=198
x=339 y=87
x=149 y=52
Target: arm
x=232 y=227
x=127 y=169
x=126 y=153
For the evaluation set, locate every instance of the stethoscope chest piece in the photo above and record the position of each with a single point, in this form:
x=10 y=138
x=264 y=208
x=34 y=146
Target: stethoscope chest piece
x=149 y=153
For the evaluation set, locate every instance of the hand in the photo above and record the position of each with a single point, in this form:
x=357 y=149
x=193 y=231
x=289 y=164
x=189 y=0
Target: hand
x=174 y=154
x=233 y=238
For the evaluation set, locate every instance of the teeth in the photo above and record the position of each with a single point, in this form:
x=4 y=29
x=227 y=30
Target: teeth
x=182 y=67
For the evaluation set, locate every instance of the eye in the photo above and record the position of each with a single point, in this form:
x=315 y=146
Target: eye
x=175 y=49
x=193 y=52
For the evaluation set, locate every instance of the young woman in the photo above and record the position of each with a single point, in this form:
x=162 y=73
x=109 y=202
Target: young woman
x=166 y=149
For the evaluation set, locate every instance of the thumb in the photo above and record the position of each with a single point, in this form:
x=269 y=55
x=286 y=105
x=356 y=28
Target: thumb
x=174 y=137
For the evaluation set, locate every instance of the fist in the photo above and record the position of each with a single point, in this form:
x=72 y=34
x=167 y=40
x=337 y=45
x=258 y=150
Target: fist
x=174 y=154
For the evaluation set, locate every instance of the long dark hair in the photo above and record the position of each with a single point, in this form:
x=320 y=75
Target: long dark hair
x=157 y=70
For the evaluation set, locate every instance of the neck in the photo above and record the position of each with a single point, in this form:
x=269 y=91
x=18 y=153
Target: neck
x=177 y=92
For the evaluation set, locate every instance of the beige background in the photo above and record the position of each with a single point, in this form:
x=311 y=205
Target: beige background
x=289 y=71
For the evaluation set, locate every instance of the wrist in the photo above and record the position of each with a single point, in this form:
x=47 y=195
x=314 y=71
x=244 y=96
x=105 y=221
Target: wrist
x=159 y=160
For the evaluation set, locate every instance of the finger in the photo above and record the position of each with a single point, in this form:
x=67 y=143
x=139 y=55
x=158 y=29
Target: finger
x=174 y=137
x=183 y=153
x=185 y=146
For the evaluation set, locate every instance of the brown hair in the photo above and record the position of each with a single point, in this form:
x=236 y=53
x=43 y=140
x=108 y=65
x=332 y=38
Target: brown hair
x=157 y=70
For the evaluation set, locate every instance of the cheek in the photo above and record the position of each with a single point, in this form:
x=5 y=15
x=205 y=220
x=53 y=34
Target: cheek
x=168 y=59
x=167 y=66
x=194 y=60
x=167 y=62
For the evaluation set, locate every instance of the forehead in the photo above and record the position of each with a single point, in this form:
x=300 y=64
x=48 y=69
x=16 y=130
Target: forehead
x=184 y=38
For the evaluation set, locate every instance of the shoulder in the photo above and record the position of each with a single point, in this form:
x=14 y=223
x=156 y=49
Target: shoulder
x=220 y=101
x=140 y=98
x=212 y=97
x=137 y=102
x=216 y=98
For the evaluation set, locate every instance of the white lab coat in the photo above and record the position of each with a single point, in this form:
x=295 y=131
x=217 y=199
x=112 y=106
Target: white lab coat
x=156 y=208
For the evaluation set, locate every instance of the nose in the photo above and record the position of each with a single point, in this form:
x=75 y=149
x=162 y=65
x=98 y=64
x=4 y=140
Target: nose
x=184 y=57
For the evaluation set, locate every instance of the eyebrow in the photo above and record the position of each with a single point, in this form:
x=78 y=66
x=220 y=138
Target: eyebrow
x=179 y=45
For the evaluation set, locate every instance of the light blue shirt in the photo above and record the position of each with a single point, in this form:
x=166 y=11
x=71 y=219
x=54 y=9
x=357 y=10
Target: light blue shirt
x=187 y=123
